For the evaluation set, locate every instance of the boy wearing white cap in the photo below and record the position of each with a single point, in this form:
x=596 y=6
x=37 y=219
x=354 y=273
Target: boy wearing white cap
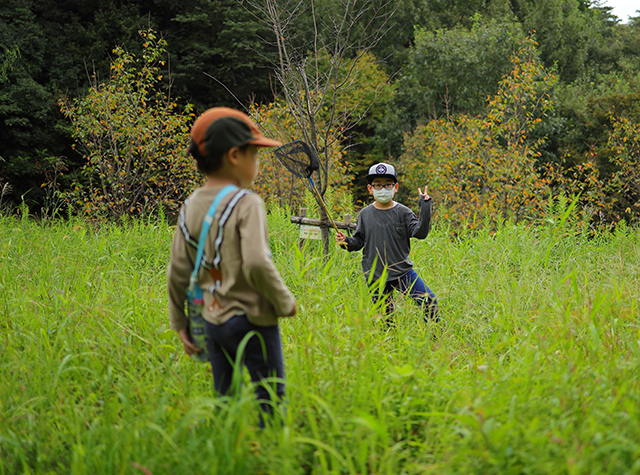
x=383 y=232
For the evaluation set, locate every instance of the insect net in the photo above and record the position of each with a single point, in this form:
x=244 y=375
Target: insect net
x=298 y=157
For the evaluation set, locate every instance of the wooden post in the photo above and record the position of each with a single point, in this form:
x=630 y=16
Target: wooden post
x=302 y=241
x=318 y=223
x=309 y=226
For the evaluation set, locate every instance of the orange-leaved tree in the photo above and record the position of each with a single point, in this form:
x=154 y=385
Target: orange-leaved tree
x=484 y=168
x=606 y=197
x=278 y=186
x=624 y=185
x=133 y=137
x=274 y=183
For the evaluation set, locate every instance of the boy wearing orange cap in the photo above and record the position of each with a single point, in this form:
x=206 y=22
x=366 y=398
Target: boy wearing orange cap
x=242 y=289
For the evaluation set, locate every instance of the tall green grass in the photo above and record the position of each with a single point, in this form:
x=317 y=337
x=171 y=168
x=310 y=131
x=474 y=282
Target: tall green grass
x=535 y=368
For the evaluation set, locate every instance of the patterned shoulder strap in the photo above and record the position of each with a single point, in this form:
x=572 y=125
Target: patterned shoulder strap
x=190 y=240
x=217 y=256
x=206 y=225
x=221 y=222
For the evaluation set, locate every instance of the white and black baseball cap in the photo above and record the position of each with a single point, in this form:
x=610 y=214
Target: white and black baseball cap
x=382 y=170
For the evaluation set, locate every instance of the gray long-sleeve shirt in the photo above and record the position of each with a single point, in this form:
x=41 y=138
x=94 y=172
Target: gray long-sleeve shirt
x=384 y=234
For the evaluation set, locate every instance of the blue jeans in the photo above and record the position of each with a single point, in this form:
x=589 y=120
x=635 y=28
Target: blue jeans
x=262 y=357
x=410 y=283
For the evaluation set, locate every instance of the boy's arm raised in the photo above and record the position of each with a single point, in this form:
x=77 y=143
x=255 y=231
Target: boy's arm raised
x=419 y=227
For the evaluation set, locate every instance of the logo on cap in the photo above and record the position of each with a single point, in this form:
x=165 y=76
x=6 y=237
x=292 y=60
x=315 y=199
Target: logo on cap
x=381 y=169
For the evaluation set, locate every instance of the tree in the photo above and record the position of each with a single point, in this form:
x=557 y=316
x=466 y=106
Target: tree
x=28 y=132
x=133 y=139
x=484 y=167
x=59 y=45
x=454 y=71
x=315 y=75
x=574 y=35
x=217 y=57
x=624 y=186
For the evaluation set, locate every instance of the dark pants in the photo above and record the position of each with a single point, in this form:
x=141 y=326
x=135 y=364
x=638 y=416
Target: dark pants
x=410 y=283
x=262 y=357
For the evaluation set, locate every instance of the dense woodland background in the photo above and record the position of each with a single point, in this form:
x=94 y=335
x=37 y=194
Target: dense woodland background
x=443 y=62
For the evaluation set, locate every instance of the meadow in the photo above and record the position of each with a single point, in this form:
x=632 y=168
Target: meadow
x=535 y=368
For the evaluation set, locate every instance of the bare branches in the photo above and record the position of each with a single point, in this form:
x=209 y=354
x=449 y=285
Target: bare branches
x=319 y=47
x=227 y=89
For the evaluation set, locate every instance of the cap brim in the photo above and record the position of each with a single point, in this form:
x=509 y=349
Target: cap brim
x=265 y=142
x=370 y=178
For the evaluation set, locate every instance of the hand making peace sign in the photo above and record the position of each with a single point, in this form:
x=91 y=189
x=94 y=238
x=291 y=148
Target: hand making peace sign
x=425 y=194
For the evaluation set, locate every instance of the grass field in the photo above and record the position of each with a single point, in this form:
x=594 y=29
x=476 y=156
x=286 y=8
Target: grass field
x=536 y=368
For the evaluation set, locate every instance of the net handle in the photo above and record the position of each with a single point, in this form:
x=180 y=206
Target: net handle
x=314 y=165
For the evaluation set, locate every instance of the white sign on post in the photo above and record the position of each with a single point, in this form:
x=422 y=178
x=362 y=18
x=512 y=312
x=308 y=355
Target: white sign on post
x=309 y=232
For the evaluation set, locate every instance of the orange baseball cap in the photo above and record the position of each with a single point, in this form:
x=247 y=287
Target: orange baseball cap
x=220 y=128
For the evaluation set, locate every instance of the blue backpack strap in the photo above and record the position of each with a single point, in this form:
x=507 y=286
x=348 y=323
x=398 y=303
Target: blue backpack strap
x=206 y=225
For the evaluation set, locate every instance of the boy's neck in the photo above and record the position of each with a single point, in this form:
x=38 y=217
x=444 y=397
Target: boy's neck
x=215 y=180
x=387 y=205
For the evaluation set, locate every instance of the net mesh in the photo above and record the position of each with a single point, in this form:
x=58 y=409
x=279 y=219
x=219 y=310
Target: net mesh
x=298 y=157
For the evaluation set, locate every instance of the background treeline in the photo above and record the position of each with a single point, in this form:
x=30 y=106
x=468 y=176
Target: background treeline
x=497 y=103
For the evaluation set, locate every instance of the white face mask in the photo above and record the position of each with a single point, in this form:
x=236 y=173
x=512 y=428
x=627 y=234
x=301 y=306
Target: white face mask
x=384 y=195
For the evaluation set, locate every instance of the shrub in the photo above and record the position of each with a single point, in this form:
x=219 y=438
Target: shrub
x=484 y=168
x=133 y=138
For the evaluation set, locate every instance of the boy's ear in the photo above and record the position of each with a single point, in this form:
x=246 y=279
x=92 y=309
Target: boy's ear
x=232 y=155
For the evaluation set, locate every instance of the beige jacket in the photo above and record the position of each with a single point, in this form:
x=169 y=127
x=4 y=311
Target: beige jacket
x=250 y=282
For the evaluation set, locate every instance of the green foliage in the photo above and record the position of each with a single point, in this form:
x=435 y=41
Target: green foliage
x=5 y=190
x=483 y=169
x=442 y=56
x=63 y=47
x=574 y=36
x=57 y=43
x=364 y=85
x=597 y=149
x=274 y=183
x=217 y=55
x=535 y=369
x=8 y=60
x=364 y=100
x=454 y=71
x=361 y=101
x=624 y=141
x=133 y=139
x=586 y=106
x=28 y=132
